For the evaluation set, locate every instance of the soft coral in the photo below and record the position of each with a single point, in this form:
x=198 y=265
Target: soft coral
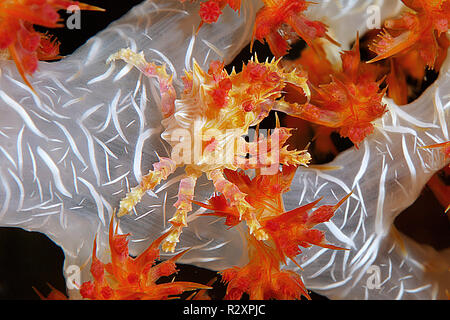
x=21 y=41
x=262 y=278
x=277 y=19
x=127 y=278
x=288 y=230
x=412 y=42
x=350 y=102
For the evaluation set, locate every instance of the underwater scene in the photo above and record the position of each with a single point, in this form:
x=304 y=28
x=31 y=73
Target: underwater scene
x=225 y=150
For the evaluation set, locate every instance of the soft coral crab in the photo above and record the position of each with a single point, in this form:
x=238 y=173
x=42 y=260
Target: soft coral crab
x=214 y=112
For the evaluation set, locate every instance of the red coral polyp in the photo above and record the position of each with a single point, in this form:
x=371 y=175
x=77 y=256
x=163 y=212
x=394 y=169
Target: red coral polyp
x=210 y=11
x=262 y=278
x=419 y=31
x=357 y=133
x=126 y=277
x=48 y=48
x=351 y=101
x=18 y=37
x=277 y=15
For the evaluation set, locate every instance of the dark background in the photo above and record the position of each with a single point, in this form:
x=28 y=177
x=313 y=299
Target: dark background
x=30 y=259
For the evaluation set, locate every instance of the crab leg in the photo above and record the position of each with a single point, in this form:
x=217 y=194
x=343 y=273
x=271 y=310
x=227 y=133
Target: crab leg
x=264 y=153
x=237 y=199
x=151 y=70
x=267 y=161
x=310 y=113
x=161 y=170
x=183 y=205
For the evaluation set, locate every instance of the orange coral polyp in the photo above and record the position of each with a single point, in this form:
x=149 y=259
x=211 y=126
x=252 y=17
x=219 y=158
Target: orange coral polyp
x=419 y=30
x=132 y=278
x=351 y=101
x=210 y=11
x=288 y=230
x=44 y=15
x=278 y=14
x=292 y=230
x=262 y=278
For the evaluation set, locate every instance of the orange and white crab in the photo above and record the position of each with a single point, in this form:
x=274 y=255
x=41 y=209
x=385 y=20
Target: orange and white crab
x=205 y=128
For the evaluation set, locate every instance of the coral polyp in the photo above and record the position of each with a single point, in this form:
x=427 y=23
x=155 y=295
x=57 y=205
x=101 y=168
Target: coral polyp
x=278 y=20
x=423 y=30
x=262 y=278
x=288 y=231
x=350 y=101
x=205 y=128
x=412 y=42
x=18 y=39
x=127 y=278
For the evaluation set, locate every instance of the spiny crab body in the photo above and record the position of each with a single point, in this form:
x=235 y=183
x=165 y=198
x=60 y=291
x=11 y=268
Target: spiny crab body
x=205 y=128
